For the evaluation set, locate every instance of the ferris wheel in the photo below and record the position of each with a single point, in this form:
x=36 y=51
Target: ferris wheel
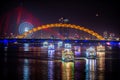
x=24 y=27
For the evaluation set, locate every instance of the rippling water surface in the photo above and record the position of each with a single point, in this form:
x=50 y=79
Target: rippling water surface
x=40 y=63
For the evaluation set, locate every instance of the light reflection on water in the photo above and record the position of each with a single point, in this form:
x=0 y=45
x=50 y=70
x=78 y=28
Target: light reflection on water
x=90 y=69
x=26 y=72
x=67 y=70
x=59 y=70
x=50 y=69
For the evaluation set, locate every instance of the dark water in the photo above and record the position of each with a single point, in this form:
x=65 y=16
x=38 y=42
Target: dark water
x=34 y=63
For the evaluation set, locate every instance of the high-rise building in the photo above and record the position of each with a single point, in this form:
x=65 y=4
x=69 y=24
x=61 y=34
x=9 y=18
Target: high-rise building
x=111 y=36
x=105 y=35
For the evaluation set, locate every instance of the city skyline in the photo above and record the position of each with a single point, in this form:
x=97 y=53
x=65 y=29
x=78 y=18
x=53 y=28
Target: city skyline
x=99 y=16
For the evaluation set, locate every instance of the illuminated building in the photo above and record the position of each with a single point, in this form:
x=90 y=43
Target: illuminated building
x=111 y=36
x=105 y=35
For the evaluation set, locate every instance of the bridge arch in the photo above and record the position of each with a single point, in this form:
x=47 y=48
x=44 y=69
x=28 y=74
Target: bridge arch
x=61 y=25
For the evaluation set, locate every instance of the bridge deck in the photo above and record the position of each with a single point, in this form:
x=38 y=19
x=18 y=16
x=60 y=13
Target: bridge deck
x=53 y=40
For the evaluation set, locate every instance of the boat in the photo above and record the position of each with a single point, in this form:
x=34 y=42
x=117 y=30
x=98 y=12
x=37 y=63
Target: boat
x=67 y=56
x=91 y=53
x=100 y=48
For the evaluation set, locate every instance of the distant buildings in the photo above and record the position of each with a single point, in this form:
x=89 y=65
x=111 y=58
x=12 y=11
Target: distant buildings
x=63 y=33
x=105 y=35
x=110 y=36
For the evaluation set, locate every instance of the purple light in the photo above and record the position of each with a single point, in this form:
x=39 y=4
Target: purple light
x=119 y=43
x=108 y=43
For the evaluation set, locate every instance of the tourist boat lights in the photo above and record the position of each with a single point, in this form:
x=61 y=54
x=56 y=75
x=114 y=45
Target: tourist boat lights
x=100 y=48
x=67 y=54
x=91 y=52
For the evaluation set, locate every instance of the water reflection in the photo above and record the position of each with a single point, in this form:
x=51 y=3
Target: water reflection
x=51 y=53
x=67 y=70
x=101 y=61
x=26 y=72
x=50 y=70
x=101 y=65
x=100 y=68
x=90 y=69
x=95 y=67
x=79 y=70
x=26 y=46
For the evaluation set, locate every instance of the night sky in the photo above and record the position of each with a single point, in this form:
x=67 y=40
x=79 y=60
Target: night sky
x=97 y=15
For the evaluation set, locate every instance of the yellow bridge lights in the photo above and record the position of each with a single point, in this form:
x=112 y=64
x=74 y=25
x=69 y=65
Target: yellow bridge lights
x=62 y=25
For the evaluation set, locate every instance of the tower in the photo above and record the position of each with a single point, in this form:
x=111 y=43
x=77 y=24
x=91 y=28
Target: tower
x=105 y=35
